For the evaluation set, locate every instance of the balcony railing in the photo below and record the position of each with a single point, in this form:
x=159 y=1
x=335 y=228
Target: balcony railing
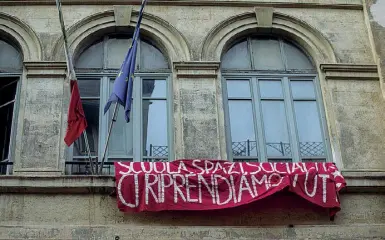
x=160 y=153
x=6 y=168
x=82 y=167
x=245 y=148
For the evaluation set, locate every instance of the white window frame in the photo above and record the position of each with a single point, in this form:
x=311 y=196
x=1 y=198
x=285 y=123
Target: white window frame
x=257 y=115
x=104 y=119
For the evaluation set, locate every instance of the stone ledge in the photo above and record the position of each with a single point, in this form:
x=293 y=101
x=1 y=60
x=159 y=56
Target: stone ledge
x=364 y=180
x=45 y=69
x=138 y=232
x=335 y=4
x=357 y=182
x=57 y=184
x=45 y=65
x=197 y=69
x=350 y=72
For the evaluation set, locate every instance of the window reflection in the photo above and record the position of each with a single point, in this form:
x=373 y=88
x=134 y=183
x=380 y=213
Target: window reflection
x=275 y=126
x=309 y=128
x=302 y=89
x=155 y=128
x=89 y=88
x=238 y=88
x=270 y=89
x=242 y=128
x=154 y=88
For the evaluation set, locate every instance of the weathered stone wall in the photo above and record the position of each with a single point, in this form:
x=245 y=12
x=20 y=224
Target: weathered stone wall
x=344 y=29
x=376 y=21
x=340 y=33
x=80 y=216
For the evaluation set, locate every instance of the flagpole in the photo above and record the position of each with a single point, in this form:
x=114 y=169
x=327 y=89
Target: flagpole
x=116 y=109
x=71 y=72
x=135 y=38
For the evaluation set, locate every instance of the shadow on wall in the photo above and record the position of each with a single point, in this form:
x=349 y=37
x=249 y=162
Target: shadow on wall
x=277 y=210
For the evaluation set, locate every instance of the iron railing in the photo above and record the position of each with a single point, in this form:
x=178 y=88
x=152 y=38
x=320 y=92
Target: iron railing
x=6 y=168
x=79 y=167
x=308 y=149
x=82 y=167
x=160 y=153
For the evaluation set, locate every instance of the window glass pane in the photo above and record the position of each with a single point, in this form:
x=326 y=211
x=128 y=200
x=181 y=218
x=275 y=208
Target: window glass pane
x=296 y=59
x=151 y=58
x=270 y=89
x=91 y=57
x=10 y=58
x=238 y=88
x=117 y=49
x=302 y=89
x=309 y=128
x=237 y=57
x=276 y=131
x=154 y=88
x=121 y=142
x=91 y=111
x=155 y=128
x=242 y=128
x=267 y=54
x=89 y=88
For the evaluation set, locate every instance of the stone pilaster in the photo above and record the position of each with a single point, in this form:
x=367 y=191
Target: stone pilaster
x=39 y=141
x=199 y=132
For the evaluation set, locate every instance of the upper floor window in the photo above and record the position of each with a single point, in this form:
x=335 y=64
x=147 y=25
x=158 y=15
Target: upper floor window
x=273 y=103
x=10 y=71
x=146 y=136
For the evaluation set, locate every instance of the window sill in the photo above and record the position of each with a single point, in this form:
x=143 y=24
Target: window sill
x=358 y=181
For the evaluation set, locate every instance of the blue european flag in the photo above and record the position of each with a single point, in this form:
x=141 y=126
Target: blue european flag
x=122 y=92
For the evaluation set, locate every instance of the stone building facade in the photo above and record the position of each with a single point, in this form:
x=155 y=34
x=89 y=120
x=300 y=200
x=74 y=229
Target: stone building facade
x=189 y=43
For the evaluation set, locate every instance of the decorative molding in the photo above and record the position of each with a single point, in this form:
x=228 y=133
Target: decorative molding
x=197 y=69
x=23 y=35
x=357 y=182
x=45 y=65
x=225 y=33
x=163 y=34
x=46 y=69
x=122 y=15
x=364 y=180
x=336 y=4
x=57 y=184
x=350 y=72
x=264 y=16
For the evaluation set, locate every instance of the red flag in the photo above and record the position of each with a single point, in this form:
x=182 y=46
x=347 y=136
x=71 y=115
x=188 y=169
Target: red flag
x=76 y=122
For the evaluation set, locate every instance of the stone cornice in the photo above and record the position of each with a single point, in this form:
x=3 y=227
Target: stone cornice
x=337 y=4
x=358 y=181
x=196 y=69
x=45 y=65
x=364 y=180
x=45 y=69
x=57 y=184
x=350 y=72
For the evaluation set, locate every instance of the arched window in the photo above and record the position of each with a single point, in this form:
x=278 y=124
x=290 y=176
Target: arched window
x=273 y=103
x=11 y=65
x=146 y=136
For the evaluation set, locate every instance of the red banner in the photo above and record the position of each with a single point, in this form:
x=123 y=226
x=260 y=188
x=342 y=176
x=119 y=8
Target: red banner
x=215 y=184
